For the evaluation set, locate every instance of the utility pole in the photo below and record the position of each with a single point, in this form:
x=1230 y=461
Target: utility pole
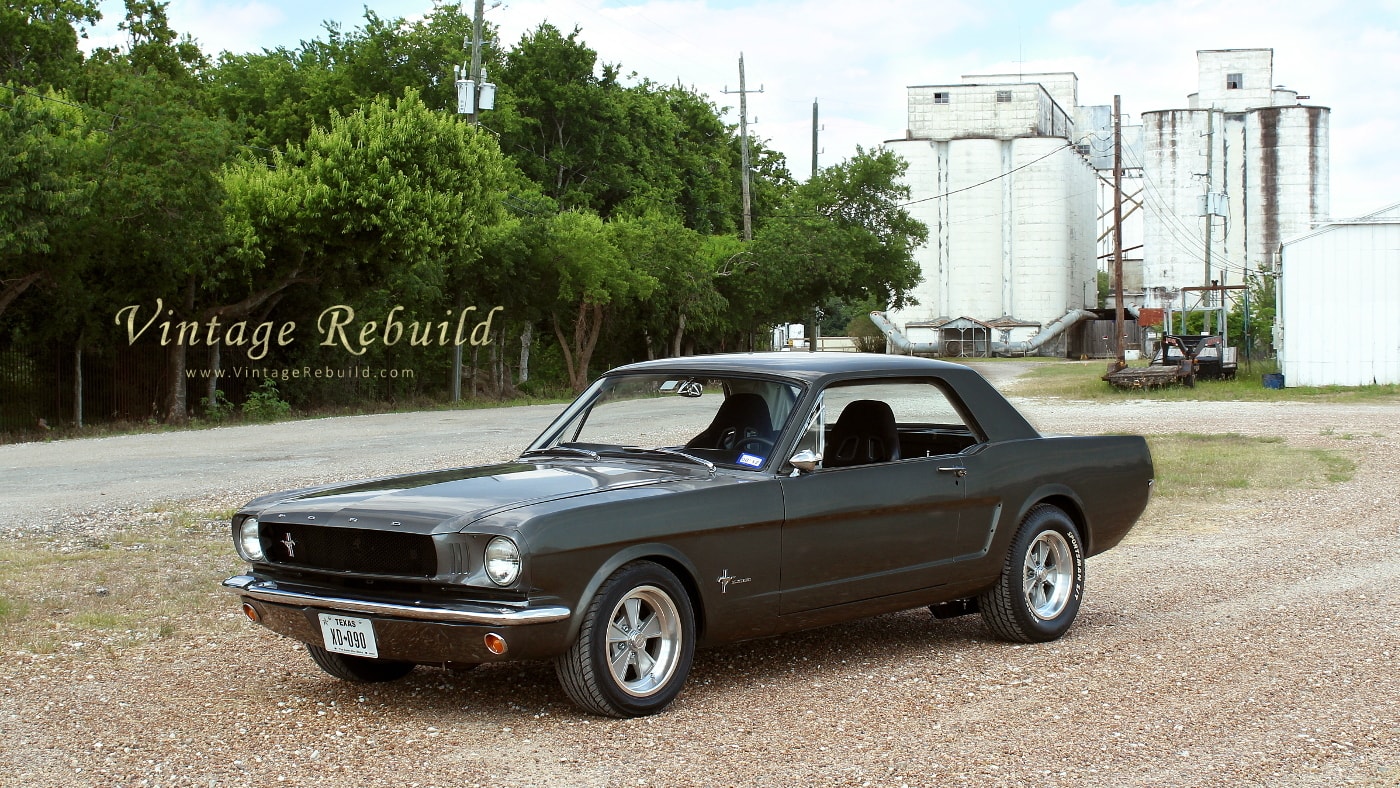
x=1118 y=322
x=474 y=94
x=744 y=143
x=477 y=13
x=814 y=339
x=1210 y=210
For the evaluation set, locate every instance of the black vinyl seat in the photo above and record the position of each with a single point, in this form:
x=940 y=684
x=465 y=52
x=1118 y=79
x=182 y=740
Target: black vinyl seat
x=865 y=433
x=741 y=416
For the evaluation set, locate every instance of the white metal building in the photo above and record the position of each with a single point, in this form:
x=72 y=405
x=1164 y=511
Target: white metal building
x=1338 y=321
x=1009 y=200
x=1268 y=175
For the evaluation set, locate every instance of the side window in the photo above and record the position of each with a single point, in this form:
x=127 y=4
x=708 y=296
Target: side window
x=878 y=421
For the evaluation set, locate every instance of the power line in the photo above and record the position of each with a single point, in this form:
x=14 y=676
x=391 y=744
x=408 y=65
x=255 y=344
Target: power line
x=1185 y=238
x=993 y=179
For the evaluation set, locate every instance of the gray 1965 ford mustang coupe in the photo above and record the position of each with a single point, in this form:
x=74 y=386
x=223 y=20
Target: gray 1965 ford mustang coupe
x=697 y=501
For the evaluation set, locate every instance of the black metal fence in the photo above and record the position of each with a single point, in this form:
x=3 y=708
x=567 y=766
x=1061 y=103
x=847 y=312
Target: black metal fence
x=46 y=387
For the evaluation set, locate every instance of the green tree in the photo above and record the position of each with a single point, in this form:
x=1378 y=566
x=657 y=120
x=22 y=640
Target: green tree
x=683 y=297
x=1257 y=336
x=593 y=143
x=45 y=153
x=561 y=115
x=593 y=279
x=154 y=46
x=842 y=236
x=277 y=95
x=157 y=226
x=39 y=40
x=396 y=197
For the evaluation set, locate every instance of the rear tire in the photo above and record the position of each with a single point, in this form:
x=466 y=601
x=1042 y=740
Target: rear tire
x=348 y=668
x=635 y=646
x=1042 y=580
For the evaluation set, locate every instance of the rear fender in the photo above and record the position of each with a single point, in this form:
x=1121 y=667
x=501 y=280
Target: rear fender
x=1062 y=498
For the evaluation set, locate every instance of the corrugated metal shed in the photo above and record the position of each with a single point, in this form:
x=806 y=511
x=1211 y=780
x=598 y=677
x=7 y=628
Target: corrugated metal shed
x=1338 y=308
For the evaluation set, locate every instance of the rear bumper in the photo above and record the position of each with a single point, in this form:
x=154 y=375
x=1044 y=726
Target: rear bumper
x=413 y=633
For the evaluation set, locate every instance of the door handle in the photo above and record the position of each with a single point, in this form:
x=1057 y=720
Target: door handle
x=957 y=471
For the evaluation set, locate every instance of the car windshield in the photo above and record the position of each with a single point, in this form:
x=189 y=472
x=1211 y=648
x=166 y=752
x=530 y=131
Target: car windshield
x=713 y=419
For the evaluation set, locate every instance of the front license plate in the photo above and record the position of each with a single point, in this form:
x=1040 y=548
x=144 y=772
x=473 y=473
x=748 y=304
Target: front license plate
x=346 y=635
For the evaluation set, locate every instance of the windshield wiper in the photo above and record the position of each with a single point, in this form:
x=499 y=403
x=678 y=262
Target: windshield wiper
x=672 y=453
x=572 y=451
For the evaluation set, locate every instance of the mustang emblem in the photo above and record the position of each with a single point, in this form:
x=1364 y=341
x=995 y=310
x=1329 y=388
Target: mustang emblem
x=291 y=546
x=725 y=579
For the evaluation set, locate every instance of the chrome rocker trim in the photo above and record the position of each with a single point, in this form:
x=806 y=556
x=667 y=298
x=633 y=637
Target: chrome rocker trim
x=267 y=591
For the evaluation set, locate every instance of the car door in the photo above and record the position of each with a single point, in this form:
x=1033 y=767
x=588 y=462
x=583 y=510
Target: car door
x=885 y=526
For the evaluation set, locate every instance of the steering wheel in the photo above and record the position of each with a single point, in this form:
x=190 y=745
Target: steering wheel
x=765 y=446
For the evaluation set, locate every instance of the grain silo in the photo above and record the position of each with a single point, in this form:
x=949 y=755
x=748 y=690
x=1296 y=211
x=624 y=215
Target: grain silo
x=1009 y=201
x=1248 y=155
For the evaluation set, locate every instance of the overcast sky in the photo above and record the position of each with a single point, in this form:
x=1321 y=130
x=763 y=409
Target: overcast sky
x=857 y=59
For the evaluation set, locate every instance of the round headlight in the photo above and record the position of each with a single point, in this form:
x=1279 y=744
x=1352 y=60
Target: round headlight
x=502 y=561
x=249 y=545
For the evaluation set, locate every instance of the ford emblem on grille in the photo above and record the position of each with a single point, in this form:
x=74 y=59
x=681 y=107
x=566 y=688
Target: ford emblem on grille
x=291 y=546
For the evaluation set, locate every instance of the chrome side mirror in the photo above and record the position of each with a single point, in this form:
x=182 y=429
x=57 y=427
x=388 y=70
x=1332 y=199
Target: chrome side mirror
x=805 y=461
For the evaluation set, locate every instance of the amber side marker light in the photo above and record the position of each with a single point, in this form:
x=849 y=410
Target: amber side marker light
x=495 y=644
x=251 y=612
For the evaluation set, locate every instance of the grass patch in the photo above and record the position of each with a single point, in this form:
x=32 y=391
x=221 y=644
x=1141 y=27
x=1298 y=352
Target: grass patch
x=1081 y=380
x=152 y=579
x=1199 y=466
x=100 y=619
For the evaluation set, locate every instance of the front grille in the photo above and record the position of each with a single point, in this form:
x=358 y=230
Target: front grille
x=349 y=549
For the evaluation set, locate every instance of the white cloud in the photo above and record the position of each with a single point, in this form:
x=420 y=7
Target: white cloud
x=216 y=26
x=233 y=27
x=1342 y=55
x=858 y=59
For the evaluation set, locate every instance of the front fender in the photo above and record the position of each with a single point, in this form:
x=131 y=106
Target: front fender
x=664 y=554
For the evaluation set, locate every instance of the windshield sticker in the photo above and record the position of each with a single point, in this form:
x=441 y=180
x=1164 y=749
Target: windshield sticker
x=751 y=460
x=669 y=386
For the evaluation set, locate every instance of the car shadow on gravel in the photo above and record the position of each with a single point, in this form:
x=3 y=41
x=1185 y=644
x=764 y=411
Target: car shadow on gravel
x=505 y=692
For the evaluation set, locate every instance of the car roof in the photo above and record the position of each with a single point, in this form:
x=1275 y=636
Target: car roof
x=998 y=418
x=801 y=365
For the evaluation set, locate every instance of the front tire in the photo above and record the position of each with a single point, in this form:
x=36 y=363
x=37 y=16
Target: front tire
x=351 y=668
x=1042 y=580
x=634 y=650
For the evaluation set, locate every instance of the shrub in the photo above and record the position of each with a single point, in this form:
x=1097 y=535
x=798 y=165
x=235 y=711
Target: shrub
x=265 y=404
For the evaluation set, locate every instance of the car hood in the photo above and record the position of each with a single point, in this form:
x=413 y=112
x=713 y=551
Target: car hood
x=448 y=500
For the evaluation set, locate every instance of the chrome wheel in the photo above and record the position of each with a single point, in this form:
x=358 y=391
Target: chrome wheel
x=644 y=639
x=1038 y=593
x=634 y=646
x=1048 y=576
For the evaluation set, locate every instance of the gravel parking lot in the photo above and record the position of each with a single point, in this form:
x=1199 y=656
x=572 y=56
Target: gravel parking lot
x=1249 y=641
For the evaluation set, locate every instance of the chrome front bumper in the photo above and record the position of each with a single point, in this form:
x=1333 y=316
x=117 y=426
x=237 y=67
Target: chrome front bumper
x=471 y=613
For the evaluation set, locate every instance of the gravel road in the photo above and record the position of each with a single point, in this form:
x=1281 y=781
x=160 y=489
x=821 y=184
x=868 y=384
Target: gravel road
x=1244 y=642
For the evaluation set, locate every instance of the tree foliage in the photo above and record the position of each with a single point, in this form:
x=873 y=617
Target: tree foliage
x=598 y=210
x=39 y=40
x=841 y=236
x=45 y=152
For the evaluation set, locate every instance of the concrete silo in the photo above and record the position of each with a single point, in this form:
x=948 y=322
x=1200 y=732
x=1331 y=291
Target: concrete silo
x=1009 y=202
x=1267 y=177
